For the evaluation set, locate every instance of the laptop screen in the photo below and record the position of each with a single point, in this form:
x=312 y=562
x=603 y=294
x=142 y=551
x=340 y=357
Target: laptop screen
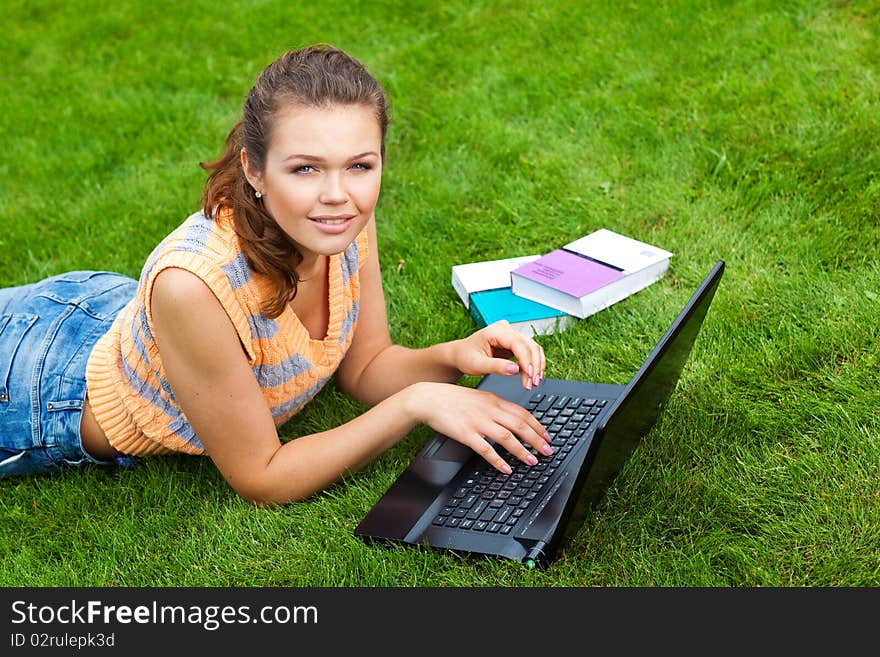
x=636 y=410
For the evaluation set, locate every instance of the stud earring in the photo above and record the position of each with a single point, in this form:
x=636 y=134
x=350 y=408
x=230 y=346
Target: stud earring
x=258 y=194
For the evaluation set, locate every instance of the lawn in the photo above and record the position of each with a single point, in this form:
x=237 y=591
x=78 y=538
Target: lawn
x=745 y=131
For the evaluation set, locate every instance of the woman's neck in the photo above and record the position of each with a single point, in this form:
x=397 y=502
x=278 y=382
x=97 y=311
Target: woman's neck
x=311 y=267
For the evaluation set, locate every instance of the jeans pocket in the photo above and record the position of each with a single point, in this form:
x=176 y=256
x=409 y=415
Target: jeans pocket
x=13 y=328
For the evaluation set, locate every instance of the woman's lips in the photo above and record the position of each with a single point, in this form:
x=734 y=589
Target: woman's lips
x=333 y=224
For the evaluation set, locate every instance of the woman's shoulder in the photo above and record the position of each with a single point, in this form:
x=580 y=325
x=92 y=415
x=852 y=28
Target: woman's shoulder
x=182 y=292
x=199 y=255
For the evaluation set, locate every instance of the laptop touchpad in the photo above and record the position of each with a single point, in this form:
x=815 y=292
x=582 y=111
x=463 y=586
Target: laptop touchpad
x=451 y=450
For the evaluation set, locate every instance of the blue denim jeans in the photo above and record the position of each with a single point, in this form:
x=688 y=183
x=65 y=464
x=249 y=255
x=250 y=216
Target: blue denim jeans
x=47 y=331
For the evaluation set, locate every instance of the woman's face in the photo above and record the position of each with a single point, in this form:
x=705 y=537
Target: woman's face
x=322 y=175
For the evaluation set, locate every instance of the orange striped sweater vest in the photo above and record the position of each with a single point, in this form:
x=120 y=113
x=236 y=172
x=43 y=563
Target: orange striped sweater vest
x=127 y=387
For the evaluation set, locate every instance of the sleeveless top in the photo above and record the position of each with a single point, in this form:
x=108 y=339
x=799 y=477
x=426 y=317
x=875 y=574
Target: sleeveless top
x=127 y=387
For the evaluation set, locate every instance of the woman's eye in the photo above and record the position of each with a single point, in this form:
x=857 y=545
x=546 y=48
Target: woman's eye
x=362 y=166
x=306 y=168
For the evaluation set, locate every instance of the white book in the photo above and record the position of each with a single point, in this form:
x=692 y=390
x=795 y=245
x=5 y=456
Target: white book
x=618 y=250
x=590 y=273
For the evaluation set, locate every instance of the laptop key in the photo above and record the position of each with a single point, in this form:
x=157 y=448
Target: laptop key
x=477 y=509
x=546 y=403
x=469 y=501
x=504 y=514
x=488 y=515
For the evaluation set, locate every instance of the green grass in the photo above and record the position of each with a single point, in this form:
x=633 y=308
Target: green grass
x=747 y=131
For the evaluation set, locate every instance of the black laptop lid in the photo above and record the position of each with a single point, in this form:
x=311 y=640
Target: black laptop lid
x=633 y=414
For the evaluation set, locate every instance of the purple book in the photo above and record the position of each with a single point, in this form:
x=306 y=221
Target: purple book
x=569 y=273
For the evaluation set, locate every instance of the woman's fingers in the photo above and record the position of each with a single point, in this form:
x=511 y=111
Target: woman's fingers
x=514 y=429
x=484 y=449
x=483 y=421
x=528 y=353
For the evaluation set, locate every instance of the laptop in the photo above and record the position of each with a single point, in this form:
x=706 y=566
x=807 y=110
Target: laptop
x=449 y=497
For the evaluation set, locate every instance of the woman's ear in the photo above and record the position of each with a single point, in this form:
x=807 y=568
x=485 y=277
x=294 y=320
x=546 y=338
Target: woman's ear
x=254 y=178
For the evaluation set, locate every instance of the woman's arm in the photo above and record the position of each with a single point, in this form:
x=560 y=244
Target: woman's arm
x=219 y=394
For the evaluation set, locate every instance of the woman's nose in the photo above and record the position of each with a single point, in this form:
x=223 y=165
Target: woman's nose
x=333 y=190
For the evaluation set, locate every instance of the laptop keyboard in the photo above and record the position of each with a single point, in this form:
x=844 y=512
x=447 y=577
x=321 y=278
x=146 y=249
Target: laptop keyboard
x=486 y=500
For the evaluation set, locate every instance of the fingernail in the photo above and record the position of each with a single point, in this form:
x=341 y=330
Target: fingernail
x=531 y=459
x=531 y=371
x=512 y=368
x=506 y=469
x=547 y=450
x=547 y=437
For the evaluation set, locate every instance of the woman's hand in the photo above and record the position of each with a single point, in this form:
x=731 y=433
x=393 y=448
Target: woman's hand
x=470 y=416
x=488 y=351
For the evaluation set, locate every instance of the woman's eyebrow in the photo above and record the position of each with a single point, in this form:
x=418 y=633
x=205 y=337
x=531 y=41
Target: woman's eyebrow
x=315 y=158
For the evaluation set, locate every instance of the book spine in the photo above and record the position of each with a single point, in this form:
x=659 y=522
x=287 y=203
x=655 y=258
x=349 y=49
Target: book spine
x=458 y=286
x=477 y=315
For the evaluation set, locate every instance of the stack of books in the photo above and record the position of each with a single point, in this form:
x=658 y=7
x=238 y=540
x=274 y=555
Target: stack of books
x=543 y=294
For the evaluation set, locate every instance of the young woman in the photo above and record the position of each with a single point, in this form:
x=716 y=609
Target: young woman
x=245 y=311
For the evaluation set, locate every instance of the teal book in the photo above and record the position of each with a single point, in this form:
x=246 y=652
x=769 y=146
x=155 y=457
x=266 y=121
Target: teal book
x=526 y=316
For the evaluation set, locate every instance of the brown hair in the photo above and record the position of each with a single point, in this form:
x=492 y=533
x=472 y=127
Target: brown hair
x=315 y=76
